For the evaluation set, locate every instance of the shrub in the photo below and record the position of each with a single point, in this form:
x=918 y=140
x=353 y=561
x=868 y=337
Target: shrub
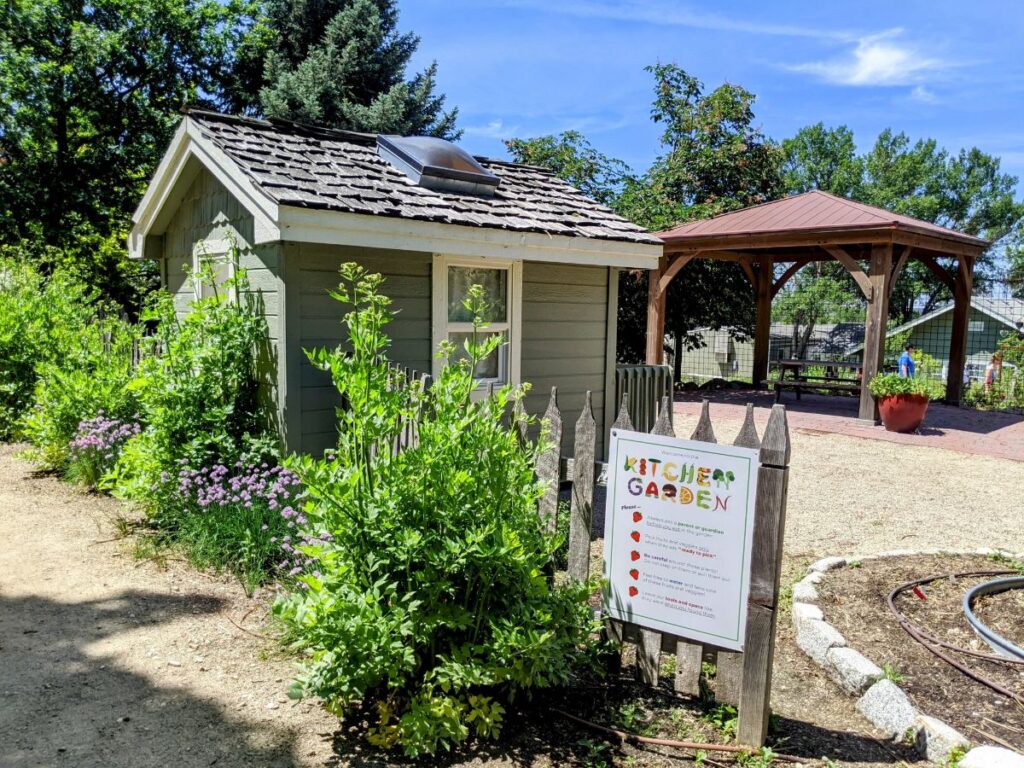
x=198 y=392
x=90 y=378
x=39 y=323
x=432 y=604
x=233 y=518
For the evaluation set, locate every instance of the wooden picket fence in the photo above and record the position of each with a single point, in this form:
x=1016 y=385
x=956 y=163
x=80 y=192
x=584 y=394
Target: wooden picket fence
x=742 y=679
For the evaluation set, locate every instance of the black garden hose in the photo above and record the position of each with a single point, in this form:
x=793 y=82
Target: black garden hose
x=999 y=644
x=933 y=643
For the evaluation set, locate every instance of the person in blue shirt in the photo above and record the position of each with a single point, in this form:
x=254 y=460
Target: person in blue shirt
x=906 y=363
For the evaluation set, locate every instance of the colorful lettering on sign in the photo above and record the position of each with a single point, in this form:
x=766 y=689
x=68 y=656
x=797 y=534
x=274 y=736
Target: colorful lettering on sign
x=671 y=485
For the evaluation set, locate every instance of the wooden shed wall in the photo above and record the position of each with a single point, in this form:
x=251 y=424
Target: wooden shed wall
x=208 y=212
x=569 y=341
x=315 y=321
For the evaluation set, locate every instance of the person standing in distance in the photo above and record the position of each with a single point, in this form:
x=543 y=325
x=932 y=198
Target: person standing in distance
x=905 y=366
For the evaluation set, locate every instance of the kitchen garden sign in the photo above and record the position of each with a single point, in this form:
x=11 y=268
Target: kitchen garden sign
x=678 y=536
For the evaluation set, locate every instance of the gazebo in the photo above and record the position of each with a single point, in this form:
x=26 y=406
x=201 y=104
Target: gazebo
x=817 y=226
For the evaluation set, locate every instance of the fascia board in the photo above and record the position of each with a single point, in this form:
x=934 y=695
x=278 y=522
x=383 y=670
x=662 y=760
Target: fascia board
x=308 y=225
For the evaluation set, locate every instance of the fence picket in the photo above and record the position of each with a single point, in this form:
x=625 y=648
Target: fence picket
x=582 y=506
x=548 y=463
x=765 y=566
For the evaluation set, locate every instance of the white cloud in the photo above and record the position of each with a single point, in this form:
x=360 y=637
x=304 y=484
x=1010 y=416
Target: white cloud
x=878 y=59
x=671 y=14
x=496 y=129
x=924 y=95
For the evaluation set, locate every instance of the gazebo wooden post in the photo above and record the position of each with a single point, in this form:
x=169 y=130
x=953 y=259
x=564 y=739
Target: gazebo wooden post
x=656 y=314
x=962 y=288
x=879 y=275
x=763 y=323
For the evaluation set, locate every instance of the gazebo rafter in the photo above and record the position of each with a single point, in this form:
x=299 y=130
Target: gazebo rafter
x=817 y=226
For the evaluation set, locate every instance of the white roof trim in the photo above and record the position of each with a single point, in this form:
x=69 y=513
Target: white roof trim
x=936 y=313
x=189 y=143
x=314 y=225
x=307 y=225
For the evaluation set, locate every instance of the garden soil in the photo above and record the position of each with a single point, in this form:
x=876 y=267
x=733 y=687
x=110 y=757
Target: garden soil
x=108 y=660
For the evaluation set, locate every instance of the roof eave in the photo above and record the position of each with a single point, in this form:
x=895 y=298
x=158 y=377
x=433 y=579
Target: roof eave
x=954 y=244
x=317 y=225
x=188 y=144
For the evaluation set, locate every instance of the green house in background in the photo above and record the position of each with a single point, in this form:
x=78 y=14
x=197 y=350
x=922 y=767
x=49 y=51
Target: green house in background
x=990 y=319
x=290 y=203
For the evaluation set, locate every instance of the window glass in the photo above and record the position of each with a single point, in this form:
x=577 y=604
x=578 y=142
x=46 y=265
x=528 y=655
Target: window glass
x=491 y=367
x=495 y=284
x=221 y=269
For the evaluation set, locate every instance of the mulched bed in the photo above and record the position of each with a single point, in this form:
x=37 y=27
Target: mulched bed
x=854 y=601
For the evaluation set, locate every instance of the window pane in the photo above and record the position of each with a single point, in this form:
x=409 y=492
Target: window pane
x=218 y=265
x=492 y=367
x=494 y=282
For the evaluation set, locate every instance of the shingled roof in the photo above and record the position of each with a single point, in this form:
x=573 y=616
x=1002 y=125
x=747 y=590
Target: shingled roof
x=307 y=167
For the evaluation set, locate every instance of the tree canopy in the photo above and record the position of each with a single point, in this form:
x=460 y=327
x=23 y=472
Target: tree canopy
x=342 y=64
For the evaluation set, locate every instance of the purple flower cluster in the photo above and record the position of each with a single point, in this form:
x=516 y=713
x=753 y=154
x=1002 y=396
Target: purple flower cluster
x=298 y=562
x=219 y=488
x=99 y=439
x=216 y=487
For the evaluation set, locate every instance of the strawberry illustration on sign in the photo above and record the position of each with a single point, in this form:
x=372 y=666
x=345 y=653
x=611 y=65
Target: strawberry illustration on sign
x=635 y=536
x=634 y=555
x=633 y=591
x=637 y=517
x=635 y=574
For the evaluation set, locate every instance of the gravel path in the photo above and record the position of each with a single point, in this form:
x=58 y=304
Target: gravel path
x=853 y=495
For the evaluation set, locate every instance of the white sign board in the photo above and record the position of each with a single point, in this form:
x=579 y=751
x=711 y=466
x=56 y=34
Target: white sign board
x=678 y=530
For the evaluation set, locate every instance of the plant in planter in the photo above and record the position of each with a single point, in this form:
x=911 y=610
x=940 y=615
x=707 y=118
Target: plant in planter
x=903 y=401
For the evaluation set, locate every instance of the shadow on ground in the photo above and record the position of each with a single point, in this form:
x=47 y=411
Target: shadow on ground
x=64 y=706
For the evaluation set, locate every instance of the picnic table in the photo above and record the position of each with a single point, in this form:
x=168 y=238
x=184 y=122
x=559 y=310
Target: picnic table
x=838 y=375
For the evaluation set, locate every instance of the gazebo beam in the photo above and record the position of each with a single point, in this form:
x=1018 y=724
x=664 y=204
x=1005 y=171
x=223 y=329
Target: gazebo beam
x=936 y=269
x=963 y=285
x=655 y=353
x=879 y=275
x=860 y=277
x=898 y=268
x=791 y=270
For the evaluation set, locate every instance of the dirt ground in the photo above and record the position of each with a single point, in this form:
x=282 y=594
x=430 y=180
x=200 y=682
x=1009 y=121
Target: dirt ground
x=110 y=661
x=854 y=601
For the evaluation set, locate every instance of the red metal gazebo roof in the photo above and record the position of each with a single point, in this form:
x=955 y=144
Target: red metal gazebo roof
x=807 y=213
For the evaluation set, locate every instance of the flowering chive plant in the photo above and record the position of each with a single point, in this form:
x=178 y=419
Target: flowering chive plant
x=96 y=446
x=240 y=517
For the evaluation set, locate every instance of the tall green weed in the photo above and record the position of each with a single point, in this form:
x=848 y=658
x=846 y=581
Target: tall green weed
x=424 y=596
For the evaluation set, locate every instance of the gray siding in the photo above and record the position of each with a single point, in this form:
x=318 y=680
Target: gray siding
x=209 y=212
x=314 y=269
x=935 y=336
x=565 y=341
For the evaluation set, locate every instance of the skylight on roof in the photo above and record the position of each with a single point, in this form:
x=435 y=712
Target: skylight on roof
x=437 y=164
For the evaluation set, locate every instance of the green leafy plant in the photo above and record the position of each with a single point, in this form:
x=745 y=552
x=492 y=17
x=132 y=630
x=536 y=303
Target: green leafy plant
x=762 y=758
x=40 y=324
x=91 y=378
x=891 y=384
x=890 y=673
x=198 y=391
x=432 y=603
x=724 y=718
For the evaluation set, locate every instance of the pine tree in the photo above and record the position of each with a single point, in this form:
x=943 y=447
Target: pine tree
x=341 y=63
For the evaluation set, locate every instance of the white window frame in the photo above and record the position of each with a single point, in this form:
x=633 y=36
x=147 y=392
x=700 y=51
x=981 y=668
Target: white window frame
x=513 y=327
x=214 y=250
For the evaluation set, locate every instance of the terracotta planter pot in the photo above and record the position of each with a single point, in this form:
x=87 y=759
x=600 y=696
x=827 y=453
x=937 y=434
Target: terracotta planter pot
x=903 y=413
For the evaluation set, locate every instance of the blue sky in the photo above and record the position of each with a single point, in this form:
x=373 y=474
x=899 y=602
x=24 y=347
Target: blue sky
x=953 y=71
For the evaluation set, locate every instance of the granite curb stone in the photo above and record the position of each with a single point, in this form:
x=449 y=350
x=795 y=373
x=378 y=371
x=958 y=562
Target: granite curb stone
x=851 y=669
x=888 y=708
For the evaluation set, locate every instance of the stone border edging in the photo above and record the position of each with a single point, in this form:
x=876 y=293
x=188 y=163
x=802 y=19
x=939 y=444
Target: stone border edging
x=880 y=700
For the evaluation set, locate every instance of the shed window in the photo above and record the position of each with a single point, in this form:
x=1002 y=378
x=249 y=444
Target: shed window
x=502 y=281
x=976 y=326
x=219 y=258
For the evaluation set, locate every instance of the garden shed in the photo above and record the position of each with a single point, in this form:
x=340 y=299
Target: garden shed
x=290 y=203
